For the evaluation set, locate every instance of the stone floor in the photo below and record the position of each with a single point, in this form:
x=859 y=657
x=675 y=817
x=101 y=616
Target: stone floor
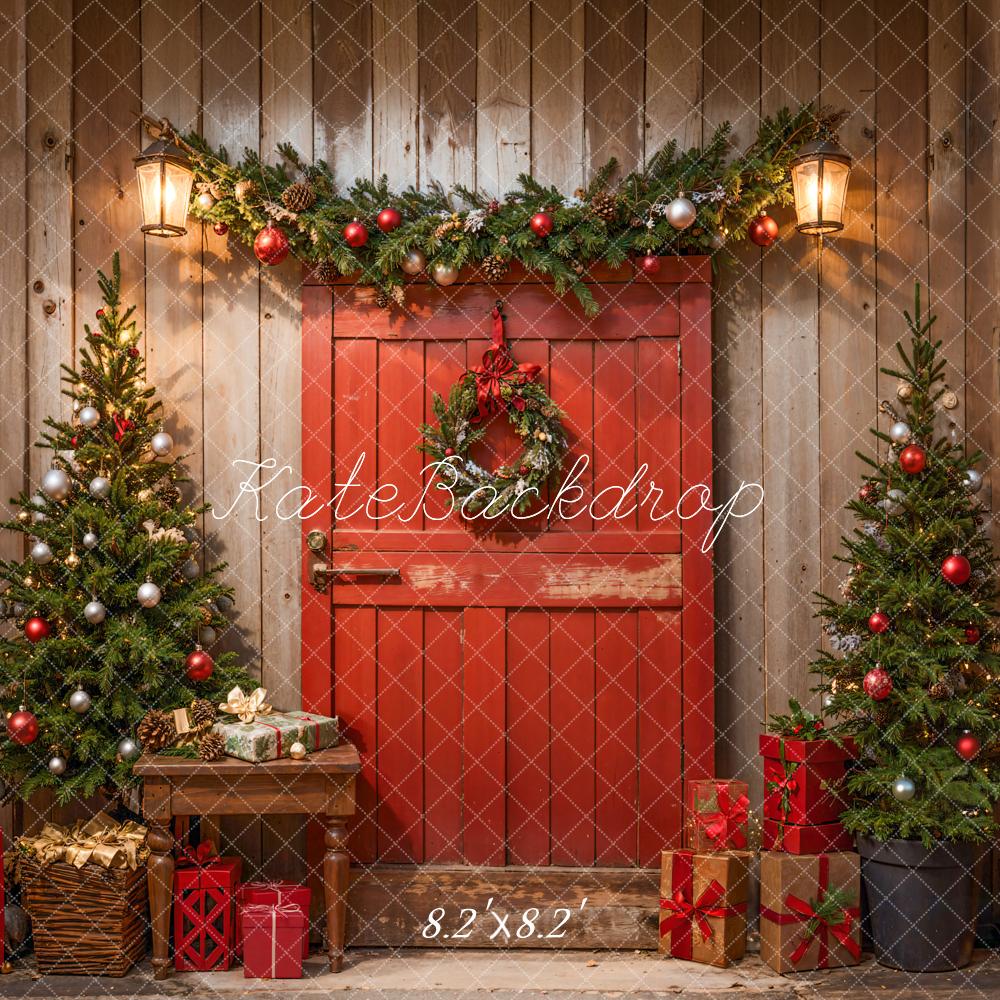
x=426 y=975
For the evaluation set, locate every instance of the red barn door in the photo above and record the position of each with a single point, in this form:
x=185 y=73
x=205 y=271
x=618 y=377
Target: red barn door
x=519 y=698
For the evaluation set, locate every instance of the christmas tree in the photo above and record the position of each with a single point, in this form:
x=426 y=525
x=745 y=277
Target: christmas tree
x=111 y=603
x=911 y=675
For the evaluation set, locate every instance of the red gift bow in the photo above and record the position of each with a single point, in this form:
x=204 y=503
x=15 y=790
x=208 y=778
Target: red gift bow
x=817 y=926
x=784 y=787
x=684 y=913
x=499 y=367
x=203 y=854
x=723 y=825
x=122 y=426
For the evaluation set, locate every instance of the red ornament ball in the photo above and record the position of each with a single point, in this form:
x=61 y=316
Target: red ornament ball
x=355 y=234
x=763 y=230
x=972 y=635
x=649 y=264
x=967 y=746
x=22 y=727
x=220 y=228
x=449 y=452
x=913 y=459
x=868 y=493
x=878 y=622
x=133 y=352
x=37 y=628
x=72 y=440
x=878 y=684
x=541 y=224
x=100 y=314
x=199 y=665
x=389 y=219
x=271 y=245
x=956 y=569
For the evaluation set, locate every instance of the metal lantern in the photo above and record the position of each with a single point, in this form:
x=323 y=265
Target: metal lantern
x=165 y=179
x=819 y=182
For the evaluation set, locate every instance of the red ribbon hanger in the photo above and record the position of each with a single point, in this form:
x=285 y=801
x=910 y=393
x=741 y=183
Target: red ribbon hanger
x=817 y=926
x=497 y=368
x=122 y=426
x=724 y=825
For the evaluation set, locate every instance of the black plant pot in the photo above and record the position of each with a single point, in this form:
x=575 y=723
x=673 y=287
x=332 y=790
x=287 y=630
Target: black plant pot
x=920 y=903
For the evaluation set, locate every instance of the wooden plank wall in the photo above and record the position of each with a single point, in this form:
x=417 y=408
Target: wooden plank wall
x=474 y=93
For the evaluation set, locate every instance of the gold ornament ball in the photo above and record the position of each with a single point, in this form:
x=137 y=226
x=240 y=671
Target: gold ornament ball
x=72 y=560
x=949 y=399
x=297 y=751
x=6 y=968
x=24 y=516
x=444 y=274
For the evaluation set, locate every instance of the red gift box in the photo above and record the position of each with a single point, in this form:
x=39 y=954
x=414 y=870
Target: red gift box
x=275 y=891
x=273 y=940
x=204 y=898
x=801 y=779
x=819 y=838
x=717 y=814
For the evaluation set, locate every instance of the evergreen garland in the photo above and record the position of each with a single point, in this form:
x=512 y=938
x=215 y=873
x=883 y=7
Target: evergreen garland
x=608 y=221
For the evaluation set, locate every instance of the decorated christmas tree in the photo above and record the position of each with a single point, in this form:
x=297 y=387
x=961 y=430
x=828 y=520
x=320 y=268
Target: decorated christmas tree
x=111 y=606
x=911 y=675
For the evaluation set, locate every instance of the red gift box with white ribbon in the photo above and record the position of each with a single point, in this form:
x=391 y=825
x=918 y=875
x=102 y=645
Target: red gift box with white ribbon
x=272 y=940
x=274 y=891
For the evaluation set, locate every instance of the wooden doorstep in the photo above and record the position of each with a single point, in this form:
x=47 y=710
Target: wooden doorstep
x=389 y=906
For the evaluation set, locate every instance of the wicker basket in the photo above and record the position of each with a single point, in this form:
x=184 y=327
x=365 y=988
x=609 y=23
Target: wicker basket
x=88 y=921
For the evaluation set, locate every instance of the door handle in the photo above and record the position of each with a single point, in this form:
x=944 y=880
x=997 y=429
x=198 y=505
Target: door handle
x=322 y=572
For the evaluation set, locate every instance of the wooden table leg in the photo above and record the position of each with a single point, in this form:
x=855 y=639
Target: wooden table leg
x=160 y=880
x=335 y=878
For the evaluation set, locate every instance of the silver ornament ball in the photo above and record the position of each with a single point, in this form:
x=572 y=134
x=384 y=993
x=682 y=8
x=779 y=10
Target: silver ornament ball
x=190 y=570
x=444 y=274
x=41 y=553
x=162 y=443
x=894 y=502
x=414 y=262
x=903 y=789
x=128 y=749
x=56 y=484
x=80 y=701
x=223 y=603
x=207 y=635
x=94 y=612
x=90 y=540
x=972 y=480
x=57 y=765
x=148 y=594
x=828 y=701
x=89 y=416
x=681 y=212
x=900 y=432
x=19 y=610
x=100 y=487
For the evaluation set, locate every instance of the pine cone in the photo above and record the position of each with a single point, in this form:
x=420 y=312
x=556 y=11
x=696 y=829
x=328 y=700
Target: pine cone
x=202 y=712
x=156 y=731
x=941 y=690
x=494 y=268
x=298 y=197
x=381 y=298
x=327 y=272
x=881 y=716
x=211 y=747
x=246 y=190
x=91 y=378
x=604 y=206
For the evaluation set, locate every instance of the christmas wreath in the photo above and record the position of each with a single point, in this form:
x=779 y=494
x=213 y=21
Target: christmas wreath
x=498 y=384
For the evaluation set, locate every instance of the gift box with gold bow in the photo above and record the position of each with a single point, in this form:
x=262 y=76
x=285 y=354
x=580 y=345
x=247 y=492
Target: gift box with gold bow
x=703 y=906
x=717 y=814
x=254 y=732
x=809 y=910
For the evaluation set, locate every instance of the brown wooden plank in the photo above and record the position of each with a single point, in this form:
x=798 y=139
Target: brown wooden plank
x=50 y=217
x=946 y=218
x=790 y=363
x=342 y=78
x=557 y=70
x=106 y=96
x=732 y=89
x=446 y=32
x=847 y=295
x=394 y=91
x=673 y=74
x=597 y=907
x=613 y=121
x=341 y=759
x=503 y=87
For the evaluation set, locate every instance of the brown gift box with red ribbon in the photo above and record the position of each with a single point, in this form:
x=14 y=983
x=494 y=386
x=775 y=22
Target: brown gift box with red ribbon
x=810 y=910
x=703 y=906
x=717 y=814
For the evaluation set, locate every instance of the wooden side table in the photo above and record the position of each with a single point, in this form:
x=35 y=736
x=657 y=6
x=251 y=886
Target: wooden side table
x=322 y=785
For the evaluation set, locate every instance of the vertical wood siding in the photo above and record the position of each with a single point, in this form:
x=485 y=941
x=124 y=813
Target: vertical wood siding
x=475 y=93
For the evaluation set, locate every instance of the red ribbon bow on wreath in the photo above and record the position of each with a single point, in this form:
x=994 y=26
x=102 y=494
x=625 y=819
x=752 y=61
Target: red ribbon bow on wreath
x=820 y=920
x=723 y=826
x=122 y=426
x=497 y=368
